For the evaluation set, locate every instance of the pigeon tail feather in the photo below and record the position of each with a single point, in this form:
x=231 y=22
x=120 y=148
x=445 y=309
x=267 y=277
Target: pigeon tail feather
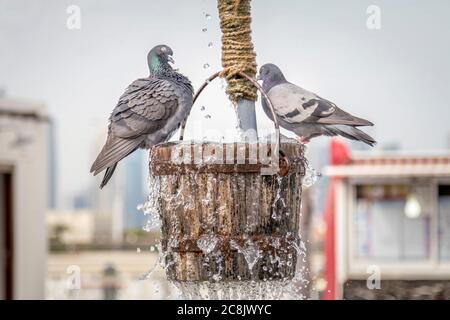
x=351 y=133
x=114 y=150
x=108 y=174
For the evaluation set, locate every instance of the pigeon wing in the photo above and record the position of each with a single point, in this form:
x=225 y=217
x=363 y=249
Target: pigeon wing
x=339 y=116
x=143 y=109
x=294 y=104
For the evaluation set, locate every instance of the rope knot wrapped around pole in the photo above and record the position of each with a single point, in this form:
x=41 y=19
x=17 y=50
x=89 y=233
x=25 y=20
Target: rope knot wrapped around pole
x=237 y=49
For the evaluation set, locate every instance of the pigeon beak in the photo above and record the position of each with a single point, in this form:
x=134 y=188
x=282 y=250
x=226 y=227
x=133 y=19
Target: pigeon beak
x=170 y=59
x=258 y=77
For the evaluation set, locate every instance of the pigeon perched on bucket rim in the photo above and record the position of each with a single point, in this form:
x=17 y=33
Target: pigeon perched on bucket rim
x=305 y=113
x=148 y=113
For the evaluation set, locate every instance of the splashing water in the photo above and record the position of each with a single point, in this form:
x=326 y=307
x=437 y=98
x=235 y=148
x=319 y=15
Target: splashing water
x=158 y=262
x=311 y=176
x=151 y=207
x=210 y=45
x=207 y=243
x=233 y=290
x=206 y=66
x=270 y=280
x=278 y=198
x=250 y=251
x=204 y=30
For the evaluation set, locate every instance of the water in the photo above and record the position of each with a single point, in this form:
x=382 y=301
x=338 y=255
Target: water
x=233 y=290
x=210 y=44
x=207 y=243
x=151 y=207
x=206 y=66
x=270 y=267
x=311 y=176
x=276 y=213
x=250 y=251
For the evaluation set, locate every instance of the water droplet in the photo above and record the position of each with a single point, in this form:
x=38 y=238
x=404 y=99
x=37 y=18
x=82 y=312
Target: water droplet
x=207 y=16
x=207 y=243
x=250 y=252
x=206 y=66
x=152 y=248
x=208 y=116
x=311 y=176
x=210 y=45
x=204 y=29
x=203 y=108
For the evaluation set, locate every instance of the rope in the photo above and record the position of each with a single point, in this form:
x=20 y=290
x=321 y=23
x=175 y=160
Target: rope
x=237 y=48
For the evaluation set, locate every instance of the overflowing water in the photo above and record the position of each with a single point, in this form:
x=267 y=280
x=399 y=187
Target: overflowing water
x=311 y=175
x=279 y=273
x=207 y=243
x=250 y=251
x=151 y=207
x=232 y=290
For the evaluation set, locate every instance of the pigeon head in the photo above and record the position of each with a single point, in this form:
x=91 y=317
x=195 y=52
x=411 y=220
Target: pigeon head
x=271 y=75
x=159 y=57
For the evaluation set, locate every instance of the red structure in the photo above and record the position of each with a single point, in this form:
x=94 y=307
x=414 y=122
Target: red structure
x=339 y=155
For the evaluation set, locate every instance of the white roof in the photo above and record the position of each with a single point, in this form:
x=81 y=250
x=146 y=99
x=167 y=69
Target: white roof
x=389 y=165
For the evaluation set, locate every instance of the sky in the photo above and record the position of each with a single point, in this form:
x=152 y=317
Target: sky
x=397 y=76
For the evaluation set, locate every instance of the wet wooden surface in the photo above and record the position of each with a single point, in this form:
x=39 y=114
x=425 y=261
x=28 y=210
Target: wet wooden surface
x=232 y=203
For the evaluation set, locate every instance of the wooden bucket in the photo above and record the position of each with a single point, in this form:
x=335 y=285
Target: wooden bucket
x=223 y=219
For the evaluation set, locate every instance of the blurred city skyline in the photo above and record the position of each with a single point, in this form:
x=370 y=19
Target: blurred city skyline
x=398 y=76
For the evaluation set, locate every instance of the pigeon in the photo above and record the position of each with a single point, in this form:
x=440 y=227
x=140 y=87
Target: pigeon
x=148 y=113
x=305 y=113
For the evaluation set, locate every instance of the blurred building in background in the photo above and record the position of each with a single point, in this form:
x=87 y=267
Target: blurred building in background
x=115 y=206
x=388 y=226
x=24 y=156
x=107 y=203
x=70 y=228
x=52 y=166
x=135 y=190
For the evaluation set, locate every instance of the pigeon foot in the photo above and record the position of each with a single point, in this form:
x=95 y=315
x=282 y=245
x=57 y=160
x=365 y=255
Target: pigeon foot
x=302 y=139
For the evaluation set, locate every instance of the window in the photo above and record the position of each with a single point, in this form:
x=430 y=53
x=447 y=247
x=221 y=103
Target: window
x=392 y=222
x=444 y=221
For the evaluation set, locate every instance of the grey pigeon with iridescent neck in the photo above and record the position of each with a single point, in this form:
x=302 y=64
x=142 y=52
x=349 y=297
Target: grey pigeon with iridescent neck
x=305 y=113
x=148 y=113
